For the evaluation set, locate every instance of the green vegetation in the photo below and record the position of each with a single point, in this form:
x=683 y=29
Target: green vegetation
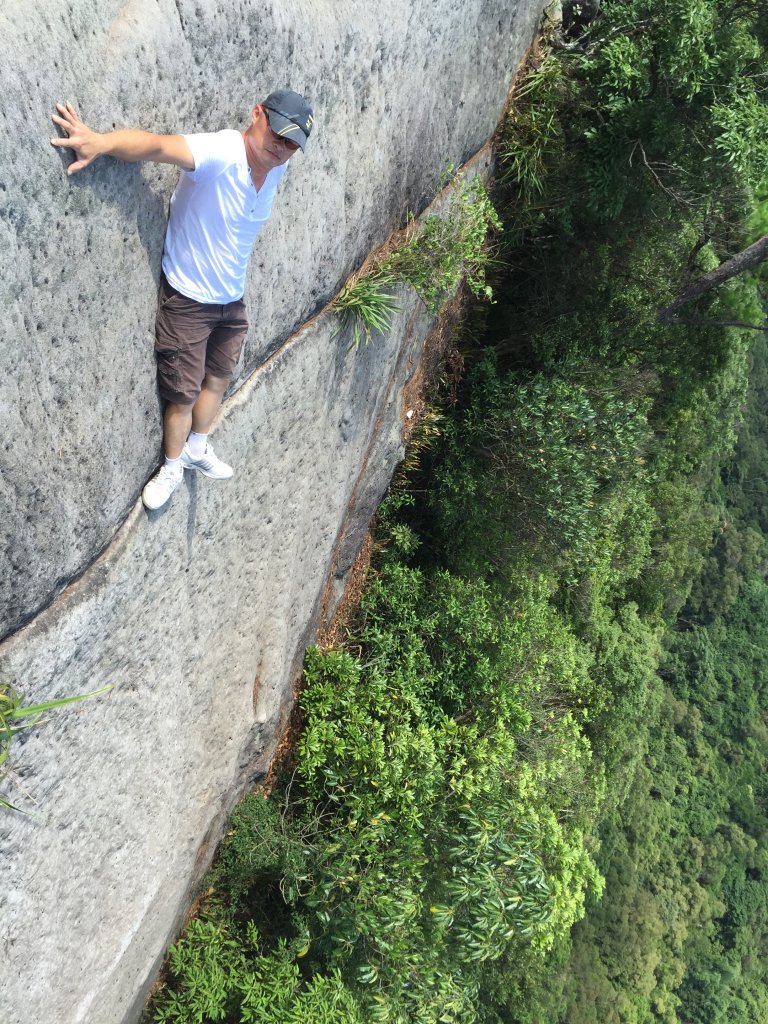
x=365 y=304
x=445 y=847
x=449 y=247
x=12 y=711
x=680 y=934
x=530 y=788
x=228 y=976
x=438 y=253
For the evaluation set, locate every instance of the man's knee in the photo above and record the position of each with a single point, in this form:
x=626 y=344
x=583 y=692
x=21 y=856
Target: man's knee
x=214 y=383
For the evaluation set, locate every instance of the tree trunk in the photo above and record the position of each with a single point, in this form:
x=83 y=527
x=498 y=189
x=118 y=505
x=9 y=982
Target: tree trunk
x=745 y=260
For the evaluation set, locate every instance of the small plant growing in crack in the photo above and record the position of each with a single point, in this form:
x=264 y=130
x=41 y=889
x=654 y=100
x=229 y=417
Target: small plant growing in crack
x=437 y=254
x=14 y=717
x=367 y=304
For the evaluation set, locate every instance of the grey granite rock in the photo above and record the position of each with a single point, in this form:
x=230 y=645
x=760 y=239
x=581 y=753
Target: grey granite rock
x=400 y=88
x=198 y=614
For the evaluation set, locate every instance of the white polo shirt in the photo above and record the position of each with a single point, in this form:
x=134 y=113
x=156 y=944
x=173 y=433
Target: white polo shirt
x=216 y=214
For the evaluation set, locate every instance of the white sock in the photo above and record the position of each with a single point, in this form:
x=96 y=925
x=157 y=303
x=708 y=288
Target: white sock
x=196 y=444
x=175 y=464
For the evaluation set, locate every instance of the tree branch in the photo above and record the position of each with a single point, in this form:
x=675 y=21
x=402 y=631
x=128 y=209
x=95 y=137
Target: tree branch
x=742 y=261
x=714 y=323
x=664 y=188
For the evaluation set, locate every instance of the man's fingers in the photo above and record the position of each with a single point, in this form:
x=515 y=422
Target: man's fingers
x=78 y=137
x=68 y=114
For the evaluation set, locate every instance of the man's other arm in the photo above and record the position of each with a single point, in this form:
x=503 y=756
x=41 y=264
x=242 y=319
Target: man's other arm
x=129 y=144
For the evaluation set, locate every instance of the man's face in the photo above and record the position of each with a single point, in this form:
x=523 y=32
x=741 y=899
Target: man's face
x=272 y=148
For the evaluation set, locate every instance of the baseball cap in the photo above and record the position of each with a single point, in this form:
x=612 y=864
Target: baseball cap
x=289 y=115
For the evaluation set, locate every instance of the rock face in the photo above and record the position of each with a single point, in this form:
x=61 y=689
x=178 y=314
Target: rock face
x=198 y=615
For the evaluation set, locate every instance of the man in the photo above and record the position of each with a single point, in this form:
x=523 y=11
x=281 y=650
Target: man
x=224 y=195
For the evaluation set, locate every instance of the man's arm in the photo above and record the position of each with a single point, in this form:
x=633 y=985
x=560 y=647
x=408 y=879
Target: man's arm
x=129 y=144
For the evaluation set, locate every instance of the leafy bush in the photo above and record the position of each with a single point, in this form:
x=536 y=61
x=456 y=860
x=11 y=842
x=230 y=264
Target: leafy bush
x=443 y=852
x=440 y=251
x=536 y=459
x=218 y=975
x=449 y=247
x=662 y=106
x=262 y=858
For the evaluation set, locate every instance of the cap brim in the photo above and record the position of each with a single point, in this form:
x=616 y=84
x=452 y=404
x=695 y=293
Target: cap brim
x=286 y=128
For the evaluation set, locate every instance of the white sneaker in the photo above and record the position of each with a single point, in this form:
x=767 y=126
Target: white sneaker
x=161 y=486
x=208 y=464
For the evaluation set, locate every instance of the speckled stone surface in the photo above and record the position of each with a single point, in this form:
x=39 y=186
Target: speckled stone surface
x=399 y=89
x=197 y=614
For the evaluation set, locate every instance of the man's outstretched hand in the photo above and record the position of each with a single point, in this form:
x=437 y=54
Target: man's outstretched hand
x=130 y=144
x=80 y=137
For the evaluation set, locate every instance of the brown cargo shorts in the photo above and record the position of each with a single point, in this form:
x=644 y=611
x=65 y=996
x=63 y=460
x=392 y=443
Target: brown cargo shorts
x=194 y=338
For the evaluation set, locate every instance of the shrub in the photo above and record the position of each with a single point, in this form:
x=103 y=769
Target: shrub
x=449 y=247
x=536 y=459
x=217 y=974
x=263 y=845
x=439 y=252
x=423 y=757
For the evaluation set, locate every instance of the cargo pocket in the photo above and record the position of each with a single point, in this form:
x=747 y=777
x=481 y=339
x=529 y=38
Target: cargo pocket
x=168 y=372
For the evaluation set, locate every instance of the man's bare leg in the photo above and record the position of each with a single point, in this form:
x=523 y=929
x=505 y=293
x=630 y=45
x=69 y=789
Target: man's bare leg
x=178 y=421
x=208 y=402
x=197 y=453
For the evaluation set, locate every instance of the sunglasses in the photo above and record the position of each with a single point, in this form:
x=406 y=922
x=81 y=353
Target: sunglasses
x=288 y=143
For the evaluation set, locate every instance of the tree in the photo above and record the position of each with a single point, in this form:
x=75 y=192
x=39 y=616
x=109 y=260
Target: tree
x=743 y=261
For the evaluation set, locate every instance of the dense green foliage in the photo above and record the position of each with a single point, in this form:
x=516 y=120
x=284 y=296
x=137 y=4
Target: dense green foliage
x=664 y=104
x=438 y=252
x=446 y=848
x=680 y=934
x=228 y=976
x=555 y=683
